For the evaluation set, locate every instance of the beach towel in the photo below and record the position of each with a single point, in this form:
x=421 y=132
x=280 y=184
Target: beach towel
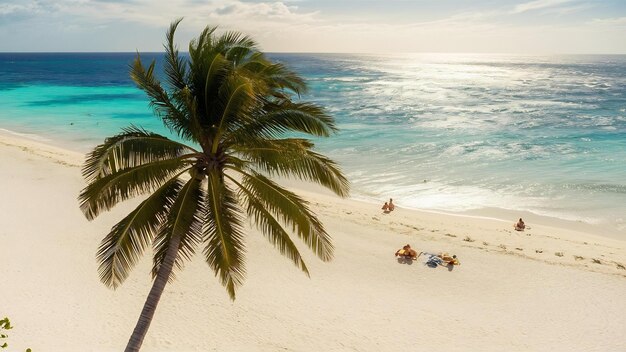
x=433 y=261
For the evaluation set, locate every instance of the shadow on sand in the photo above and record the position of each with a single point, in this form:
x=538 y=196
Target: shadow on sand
x=405 y=260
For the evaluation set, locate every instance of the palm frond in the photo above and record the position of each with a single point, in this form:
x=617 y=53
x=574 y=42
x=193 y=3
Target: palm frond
x=292 y=157
x=124 y=245
x=185 y=219
x=218 y=68
x=133 y=147
x=270 y=227
x=235 y=46
x=171 y=114
x=224 y=251
x=284 y=118
x=290 y=209
x=276 y=75
x=237 y=98
x=174 y=65
x=185 y=97
x=197 y=46
x=104 y=193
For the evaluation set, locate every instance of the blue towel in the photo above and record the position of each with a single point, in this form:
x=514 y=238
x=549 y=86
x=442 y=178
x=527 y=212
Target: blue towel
x=433 y=261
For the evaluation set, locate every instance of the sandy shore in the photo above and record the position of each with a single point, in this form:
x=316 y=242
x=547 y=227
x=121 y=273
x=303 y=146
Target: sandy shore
x=546 y=289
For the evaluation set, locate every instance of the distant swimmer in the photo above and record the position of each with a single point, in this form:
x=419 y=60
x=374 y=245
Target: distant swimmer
x=520 y=226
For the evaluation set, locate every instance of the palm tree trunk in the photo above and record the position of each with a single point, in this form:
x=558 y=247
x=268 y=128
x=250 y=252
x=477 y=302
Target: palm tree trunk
x=136 y=339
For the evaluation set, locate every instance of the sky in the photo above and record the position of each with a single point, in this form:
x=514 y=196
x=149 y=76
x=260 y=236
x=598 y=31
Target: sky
x=331 y=26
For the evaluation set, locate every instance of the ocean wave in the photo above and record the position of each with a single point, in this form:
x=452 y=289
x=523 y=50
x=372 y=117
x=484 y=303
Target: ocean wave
x=32 y=136
x=596 y=187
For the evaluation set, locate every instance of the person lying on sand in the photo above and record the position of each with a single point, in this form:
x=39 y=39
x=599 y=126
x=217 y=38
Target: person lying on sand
x=385 y=208
x=520 y=226
x=448 y=260
x=406 y=251
x=391 y=205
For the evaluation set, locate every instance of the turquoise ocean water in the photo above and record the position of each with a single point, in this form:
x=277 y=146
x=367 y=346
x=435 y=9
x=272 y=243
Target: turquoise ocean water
x=446 y=132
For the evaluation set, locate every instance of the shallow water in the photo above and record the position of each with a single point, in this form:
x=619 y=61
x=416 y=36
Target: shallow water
x=447 y=132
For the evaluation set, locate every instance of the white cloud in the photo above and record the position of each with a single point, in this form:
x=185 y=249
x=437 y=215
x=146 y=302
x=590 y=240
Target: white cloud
x=281 y=25
x=566 y=10
x=537 y=5
x=20 y=8
x=160 y=13
x=616 y=21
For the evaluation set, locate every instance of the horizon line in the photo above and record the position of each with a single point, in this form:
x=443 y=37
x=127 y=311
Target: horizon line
x=328 y=53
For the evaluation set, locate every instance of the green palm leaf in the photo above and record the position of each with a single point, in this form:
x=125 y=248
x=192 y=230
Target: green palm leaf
x=133 y=147
x=201 y=45
x=283 y=118
x=276 y=75
x=122 y=247
x=293 y=157
x=270 y=227
x=104 y=193
x=172 y=114
x=223 y=235
x=184 y=219
x=291 y=210
x=237 y=99
x=174 y=65
x=235 y=46
x=217 y=68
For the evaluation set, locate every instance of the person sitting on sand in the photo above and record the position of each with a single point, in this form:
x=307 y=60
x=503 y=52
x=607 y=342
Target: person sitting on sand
x=391 y=205
x=406 y=251
x=520 y=226
x=448 y=260
x=412 y=252
x=386 y=208
x=402 y=252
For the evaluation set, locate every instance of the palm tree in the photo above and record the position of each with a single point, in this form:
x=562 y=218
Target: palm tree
x=236 y=109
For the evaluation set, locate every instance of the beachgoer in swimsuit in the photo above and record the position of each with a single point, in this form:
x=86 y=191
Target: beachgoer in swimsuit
x=449 y=260
x=407 y=251
x=520 y=226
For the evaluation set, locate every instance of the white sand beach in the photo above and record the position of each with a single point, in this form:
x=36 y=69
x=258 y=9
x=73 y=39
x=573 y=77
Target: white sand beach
x=549 y=288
